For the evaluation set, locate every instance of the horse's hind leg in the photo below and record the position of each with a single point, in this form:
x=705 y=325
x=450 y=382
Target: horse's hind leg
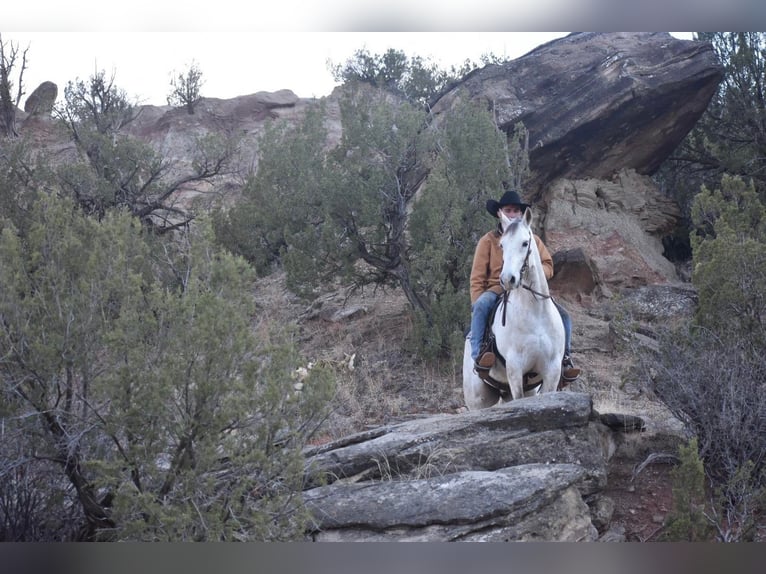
x=479 y=395
x=476 y=393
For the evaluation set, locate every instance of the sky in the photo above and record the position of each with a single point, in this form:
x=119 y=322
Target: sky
x=240 y=63
x=242 y=48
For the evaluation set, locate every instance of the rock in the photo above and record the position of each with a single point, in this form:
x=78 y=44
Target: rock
x=551 y=429
x=609 y=223
x=615 y=533
x=518 y=471
x=601 y=511
x=664 y=302
x=40 y=102
x=598 y=102
x=603 y=111
x=533 y=502
x=573 y=273
x=623 y=423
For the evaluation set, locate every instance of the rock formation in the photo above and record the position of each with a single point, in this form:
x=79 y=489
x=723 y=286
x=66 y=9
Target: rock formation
x=523 y=471
x=603 y=111
x=40 y=102
x=599 y=102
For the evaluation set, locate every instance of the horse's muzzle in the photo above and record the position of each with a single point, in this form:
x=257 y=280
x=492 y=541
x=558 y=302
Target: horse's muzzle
x=509 y=282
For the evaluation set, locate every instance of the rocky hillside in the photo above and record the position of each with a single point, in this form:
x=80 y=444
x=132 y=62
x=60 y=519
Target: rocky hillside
x=603 y=111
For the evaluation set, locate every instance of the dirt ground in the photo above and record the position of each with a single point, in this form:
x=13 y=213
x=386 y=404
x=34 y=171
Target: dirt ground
x=382 y=381
x=642 y=495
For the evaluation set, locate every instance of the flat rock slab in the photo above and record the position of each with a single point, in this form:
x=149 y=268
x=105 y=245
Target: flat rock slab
x=520 y=503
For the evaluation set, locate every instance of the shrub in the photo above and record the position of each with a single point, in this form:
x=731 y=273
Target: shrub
x=687 y=521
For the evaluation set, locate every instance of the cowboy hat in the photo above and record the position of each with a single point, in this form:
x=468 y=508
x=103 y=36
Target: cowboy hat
x=510 y=197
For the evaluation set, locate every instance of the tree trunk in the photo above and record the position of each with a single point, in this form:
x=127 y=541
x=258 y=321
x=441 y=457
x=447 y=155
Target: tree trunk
x=402 y=275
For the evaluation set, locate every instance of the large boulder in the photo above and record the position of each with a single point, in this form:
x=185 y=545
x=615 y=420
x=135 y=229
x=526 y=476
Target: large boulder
x=616 y=226
x=598 y=102
x=41 y=101
x=603 y=111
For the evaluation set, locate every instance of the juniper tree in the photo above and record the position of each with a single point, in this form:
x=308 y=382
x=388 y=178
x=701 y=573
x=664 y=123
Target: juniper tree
x=730 y=261
x=363 y=214
x=149 y=399
x=186 y=88
x=710 y=372
x=449 y=217
x=118 y=170
x=282 y=199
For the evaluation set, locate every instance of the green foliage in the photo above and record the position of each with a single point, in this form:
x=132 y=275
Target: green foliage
x=360 y=215
x=119 y=171
x=342 y=215
x=734 y=124
x=417 y=79
x=282 y=200
x=168 y=415
x=444 y=336
x=686 y=521
x=729 y=138
x=97 y=104
x=185 y=88
x=372 y=179
x=23 y=175
x=448 y=219
x=730 y=261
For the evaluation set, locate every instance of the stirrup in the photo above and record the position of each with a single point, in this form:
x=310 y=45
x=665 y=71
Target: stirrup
x=569 y=373
x=482 y=373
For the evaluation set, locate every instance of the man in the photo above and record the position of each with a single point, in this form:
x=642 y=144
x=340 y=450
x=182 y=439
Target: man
x=486 y=289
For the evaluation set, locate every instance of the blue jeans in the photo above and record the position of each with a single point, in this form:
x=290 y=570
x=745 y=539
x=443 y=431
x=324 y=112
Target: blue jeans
x=481 y=309
x=567 y=320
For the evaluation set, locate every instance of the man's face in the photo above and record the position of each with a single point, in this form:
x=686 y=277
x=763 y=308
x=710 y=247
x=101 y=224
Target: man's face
x=511 y=211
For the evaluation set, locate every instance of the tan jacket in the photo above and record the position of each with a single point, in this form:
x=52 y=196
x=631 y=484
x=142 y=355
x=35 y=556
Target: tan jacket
x=488 y=262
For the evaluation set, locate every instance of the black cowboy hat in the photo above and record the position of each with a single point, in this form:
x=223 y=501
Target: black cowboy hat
x=510 y=197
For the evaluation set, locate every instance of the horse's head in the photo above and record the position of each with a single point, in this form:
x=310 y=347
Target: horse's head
x=516 y=243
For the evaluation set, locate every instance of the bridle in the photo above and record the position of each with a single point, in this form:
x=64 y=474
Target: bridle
x=522 y=273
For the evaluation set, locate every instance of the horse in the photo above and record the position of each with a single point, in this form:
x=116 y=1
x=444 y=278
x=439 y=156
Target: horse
x=528 y=330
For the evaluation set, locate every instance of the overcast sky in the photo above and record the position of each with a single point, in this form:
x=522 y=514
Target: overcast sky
x=240 y=63
x=242 y=48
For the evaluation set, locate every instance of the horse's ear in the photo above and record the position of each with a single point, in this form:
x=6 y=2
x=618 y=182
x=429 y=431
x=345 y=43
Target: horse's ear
x=504 y=221
x=528 y=216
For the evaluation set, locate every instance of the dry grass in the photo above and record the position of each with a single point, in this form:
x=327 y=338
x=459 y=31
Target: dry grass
x=363 y=337
x=385 y=381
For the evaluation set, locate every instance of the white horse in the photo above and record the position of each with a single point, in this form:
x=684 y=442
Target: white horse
x=528 y=330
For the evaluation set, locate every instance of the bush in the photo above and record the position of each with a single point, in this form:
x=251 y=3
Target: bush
x=717 y=388
x=710 y=372
x=687 y=521
x=137 y=370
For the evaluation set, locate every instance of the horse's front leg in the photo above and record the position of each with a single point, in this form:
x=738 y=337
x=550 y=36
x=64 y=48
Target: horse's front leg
x=551 y=376
x=515 y=380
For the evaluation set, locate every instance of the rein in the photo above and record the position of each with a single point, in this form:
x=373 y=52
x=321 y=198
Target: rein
x=522 y=272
